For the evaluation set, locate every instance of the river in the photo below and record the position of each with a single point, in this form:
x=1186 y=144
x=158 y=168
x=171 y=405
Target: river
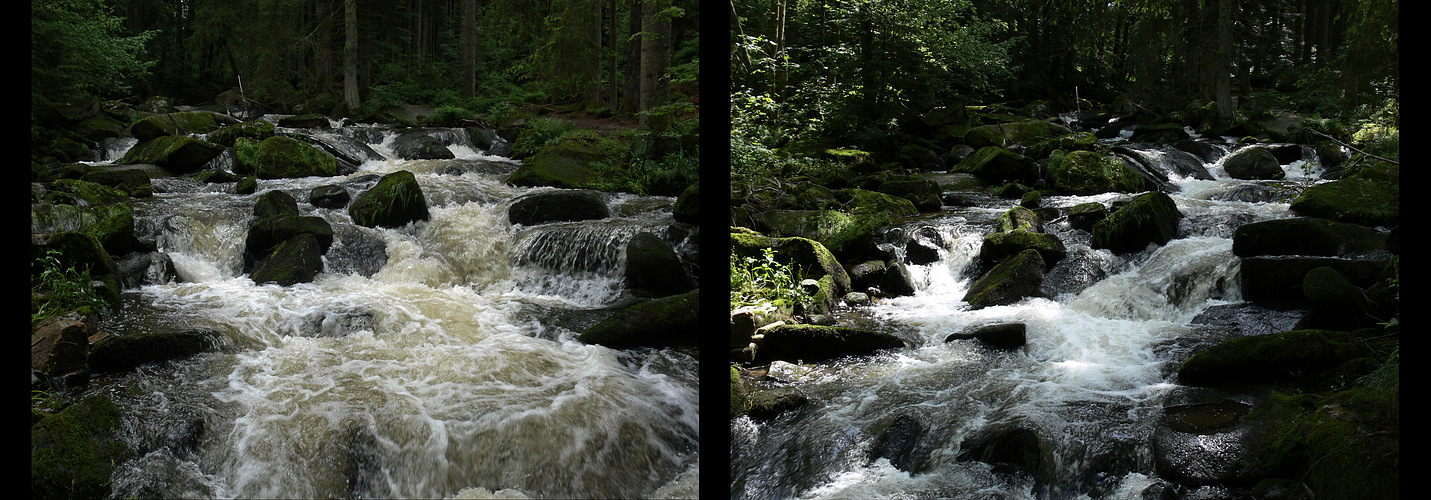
x=1085 y=394
x=434 y=360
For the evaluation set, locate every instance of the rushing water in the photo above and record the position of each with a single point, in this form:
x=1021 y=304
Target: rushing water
x=1102 y=346
x=436 y=360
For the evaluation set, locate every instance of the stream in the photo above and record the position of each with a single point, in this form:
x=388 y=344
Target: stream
x=434 y=360
x=1086 y=392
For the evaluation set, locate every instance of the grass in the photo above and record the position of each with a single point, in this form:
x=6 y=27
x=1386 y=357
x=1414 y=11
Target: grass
x=68 y=289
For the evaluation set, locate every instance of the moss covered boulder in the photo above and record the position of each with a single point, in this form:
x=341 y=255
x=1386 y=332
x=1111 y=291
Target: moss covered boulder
x=1151 y=218
x=1089 y=172
x=922 y=193
x=180 y=123
x=1253 y=163
x=418 y=145
x=257 y=130
x=1006 y=134
x=1303 y=236
x=667 y=321
x=120 y=353
x=810 y=257
x=557 y=206
x=1012 y=280
x=566 y=164
x=653 y=267
x=73 y=453
x=996 y=164
x=132 y=181
x=174 y=153
x=1370 y=197
x=396 y=200
x=1270 y=358
x=296 y=260
x=818 y=343
x=282 y=157
x=267 y=233
x=112 y=223
x=1000 y=245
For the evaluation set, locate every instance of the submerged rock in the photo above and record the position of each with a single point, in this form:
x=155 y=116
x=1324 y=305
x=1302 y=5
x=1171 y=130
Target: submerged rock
x=998 y=336
x=396 y=200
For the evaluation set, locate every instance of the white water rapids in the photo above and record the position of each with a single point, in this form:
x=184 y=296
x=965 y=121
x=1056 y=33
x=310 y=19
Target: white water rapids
x=1101 y=349
x=448 y=370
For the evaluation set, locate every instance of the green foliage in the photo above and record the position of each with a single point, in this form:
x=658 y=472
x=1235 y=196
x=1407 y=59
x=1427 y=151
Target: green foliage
x=77 y=48
x=755 y=280
x=69 y=289
x=540 y=133
x=449 y=116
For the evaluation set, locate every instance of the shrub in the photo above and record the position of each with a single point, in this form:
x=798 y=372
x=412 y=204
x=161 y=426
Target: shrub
x=69 y=289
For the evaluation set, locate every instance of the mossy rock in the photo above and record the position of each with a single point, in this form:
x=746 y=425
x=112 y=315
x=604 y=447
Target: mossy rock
x=297 y=260
x=812 y=343
x=111 y=225
x=1152 y=217
x=1303 y=236
x=566 y=164
x=845 y=235
x=1253 y=163
x=810 y=257
x=999 y=245
x=121 y=353
x=738 y=397
x=1089 y=172
x=90 y=193
x=396 y=200
x=1010 y=281
x=996 y=164
x=922 y=193
x=1077 y=141
x=257 y=130
x=1370 y=197
x=73 y=453
x=134 y=182
x=282 y=158
x=1270 y=358
x=176 y=154
x=1006 y=134
x=667 y=321
x=180 y=123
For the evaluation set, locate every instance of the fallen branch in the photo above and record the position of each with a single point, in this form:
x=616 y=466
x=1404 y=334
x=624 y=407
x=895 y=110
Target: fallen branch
x=1349 y=146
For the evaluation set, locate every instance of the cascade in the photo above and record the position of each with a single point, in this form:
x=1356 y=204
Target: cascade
x=434 y=360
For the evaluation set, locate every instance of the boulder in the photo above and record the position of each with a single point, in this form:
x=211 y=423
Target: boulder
x=176 y=154
x=310 y=120
x=1279 y=278
x=121 y=353
x=112 y=225
x=1152 y=217
x=1013 y=279
x=667 y=321
x=176 y=124
x=1370 y=197
x=1009 y=451
x=282 y=157
x=566 y=164
x=396 y=200
x=257 y=130
x=996 y=164
x=557 y=206
x=84 y=253
x=1303 y=236
x=329 y=196
x=59 y=344
x=1085 y=215
x=1007 y=134
x=998 y=336
x=268 y=233
x=417 y=145
x=146 y=268
x=297 y=260
x=1253 y=163
x=766 y=404
x=1274 y=357
x=810 y=343
x=274 y=204
x=899 y=442
x=652 y=266
x=73 y=453
x=923 y=193
x=132 y=181
x=1334 y=302
x=809 y=256
x=1090 y=172
x=896 y=281
x=688 y=205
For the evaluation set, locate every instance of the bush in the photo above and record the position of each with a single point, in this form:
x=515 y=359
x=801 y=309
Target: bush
x=449 y=116
x=755 y=280
x=68 y=289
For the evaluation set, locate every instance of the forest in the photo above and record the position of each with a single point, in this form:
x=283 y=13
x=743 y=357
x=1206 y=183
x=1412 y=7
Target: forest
x=499 y=61
x=856 y=72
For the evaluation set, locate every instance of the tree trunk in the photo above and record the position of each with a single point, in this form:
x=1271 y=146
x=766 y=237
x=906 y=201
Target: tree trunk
x=1222 y=83
x=350 y=56
x=593 y=39
x=469 y=48
x=611 y=67
x=632 y=93
x=655 y=57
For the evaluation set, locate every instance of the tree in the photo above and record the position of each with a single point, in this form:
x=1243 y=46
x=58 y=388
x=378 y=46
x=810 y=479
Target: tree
x=350 y=56
x=76 y=49
x=1223 y=85
x=655 y=58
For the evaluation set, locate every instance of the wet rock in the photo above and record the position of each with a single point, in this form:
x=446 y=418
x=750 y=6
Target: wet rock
x=176 y=154
x=120 y=353
x=1008 y=450
x=1000 y=336
x=818 y=343
x=73 y=453
x=282 y=157
x=1254 y=162
x=1303 y=236
x=396 y=200
x=896 y=280
x=1085 y=215
x=267 y=233
x=994 y=164
x=1274 y=357
x=557 y=206
x=418 y=145
x=652 y=266
x=178 y=124
x=769 y=404
x=1010 y=281
x=296 y=260
x=666 y=321
x=1334 y=302
x=329 y=196
x=59 y=345
x=866 y=274
x=311 y=120
x=1090 y=172
x=1150 y=218
x=567 y=164
x=997 y=246
x=1279 y=278
x=688 y=205
x=899 y=442
x=149 y=268
x=1370 y=197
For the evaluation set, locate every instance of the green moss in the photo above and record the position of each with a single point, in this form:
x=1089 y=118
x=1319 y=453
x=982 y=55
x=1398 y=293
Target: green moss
x=73 y=453
x=1089 y=172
